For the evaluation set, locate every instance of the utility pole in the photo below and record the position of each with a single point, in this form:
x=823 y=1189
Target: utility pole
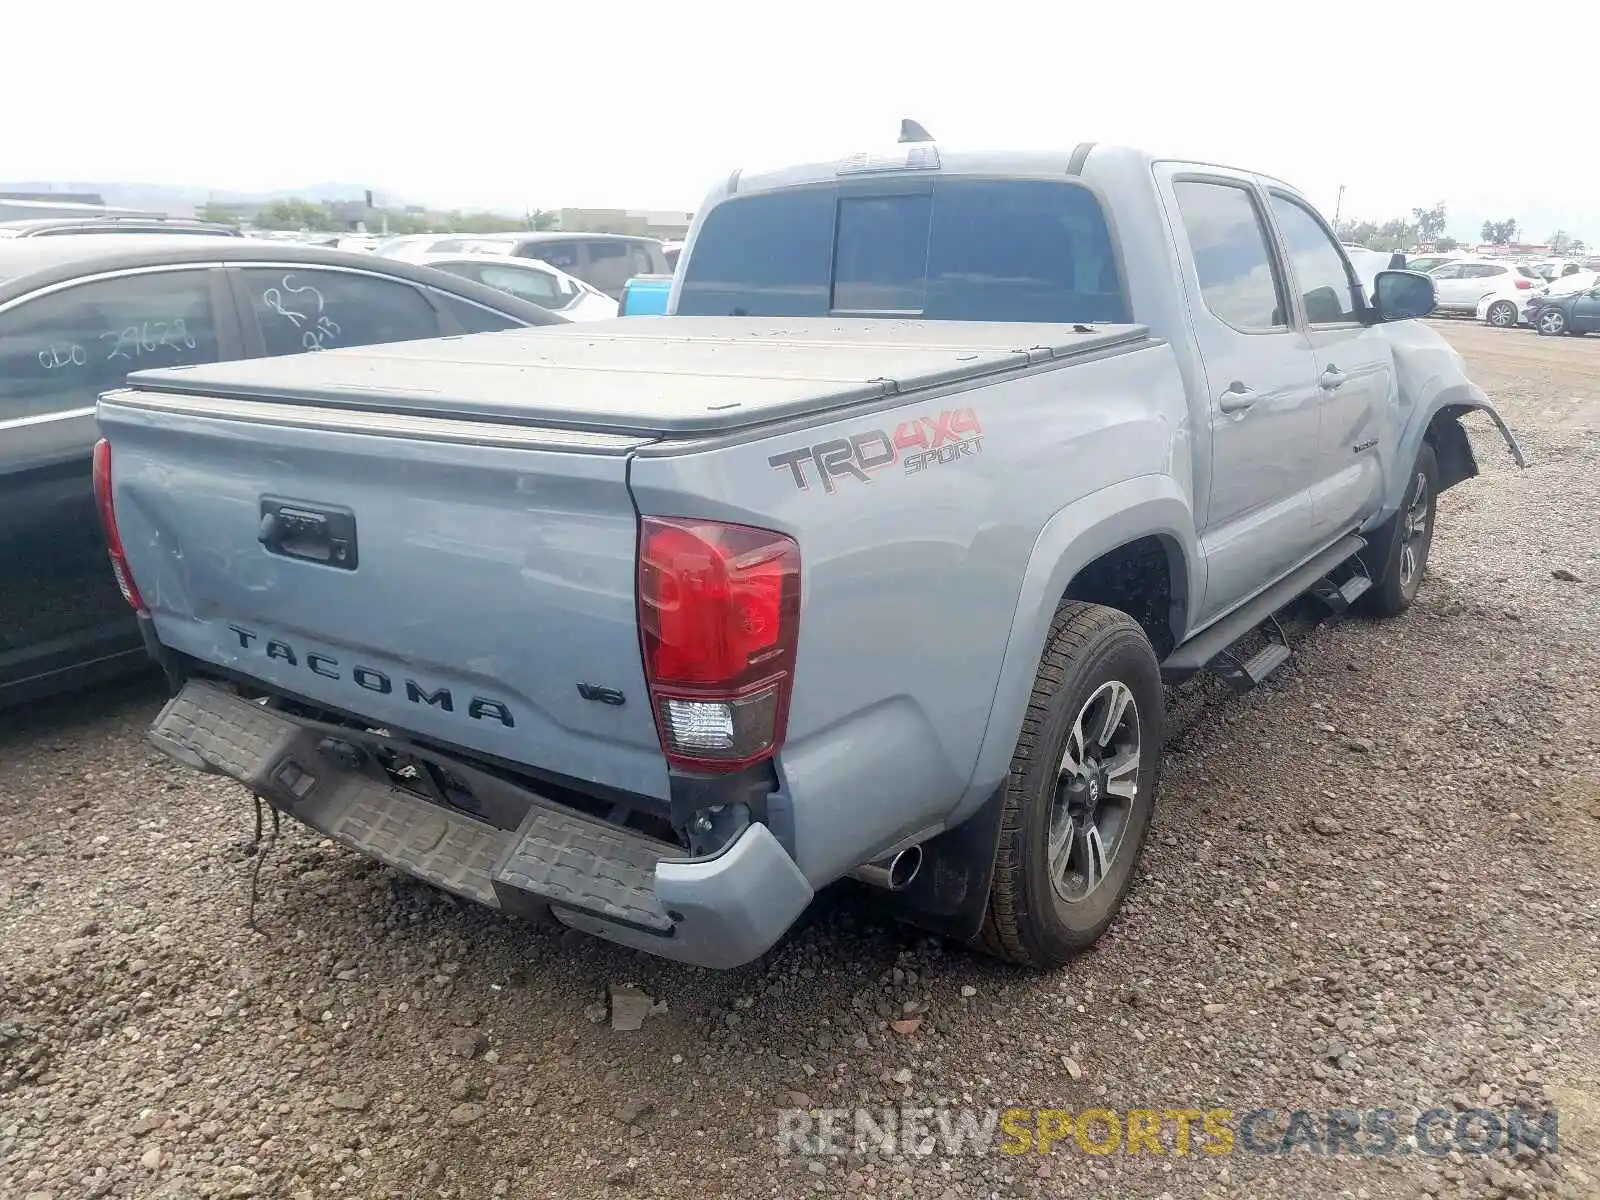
x=1338 y=205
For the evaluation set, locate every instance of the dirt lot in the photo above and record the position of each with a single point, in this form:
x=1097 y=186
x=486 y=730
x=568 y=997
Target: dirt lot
x=1372 y=884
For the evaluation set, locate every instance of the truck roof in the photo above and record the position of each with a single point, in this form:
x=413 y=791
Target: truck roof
x=1006 y=164
x=680 y=375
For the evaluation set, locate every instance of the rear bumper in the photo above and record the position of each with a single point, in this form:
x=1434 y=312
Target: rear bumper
x=717 y=911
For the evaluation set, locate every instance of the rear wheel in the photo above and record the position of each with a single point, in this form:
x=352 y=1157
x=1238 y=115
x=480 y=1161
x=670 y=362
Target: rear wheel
x=1081 y=791
x=1552 y=321
x=1502 y=314
x=1406 y=542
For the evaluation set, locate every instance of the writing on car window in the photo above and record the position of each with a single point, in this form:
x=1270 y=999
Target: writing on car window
x=302 y=305
x=313 y=309
x=61 y=349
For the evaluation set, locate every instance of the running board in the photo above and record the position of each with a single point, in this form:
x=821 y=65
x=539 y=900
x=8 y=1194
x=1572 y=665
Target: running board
x=1340 y=596
x=1209 y=649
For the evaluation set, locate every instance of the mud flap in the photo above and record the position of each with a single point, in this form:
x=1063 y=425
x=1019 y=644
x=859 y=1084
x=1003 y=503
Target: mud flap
x=951 y=890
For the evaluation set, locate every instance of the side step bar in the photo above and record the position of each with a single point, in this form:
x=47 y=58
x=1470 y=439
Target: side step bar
x=1210 y=648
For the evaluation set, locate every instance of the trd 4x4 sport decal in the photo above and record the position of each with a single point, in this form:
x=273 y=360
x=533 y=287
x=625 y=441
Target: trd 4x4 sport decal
x=917 y=444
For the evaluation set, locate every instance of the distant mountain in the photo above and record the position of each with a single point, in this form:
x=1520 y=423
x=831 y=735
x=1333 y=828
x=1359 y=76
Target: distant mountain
x=181 y=200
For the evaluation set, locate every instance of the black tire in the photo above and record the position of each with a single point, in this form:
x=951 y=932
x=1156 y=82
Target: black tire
x=1394 y=587
x=1502 y=314
x=1552 y=322
x=1090 y=649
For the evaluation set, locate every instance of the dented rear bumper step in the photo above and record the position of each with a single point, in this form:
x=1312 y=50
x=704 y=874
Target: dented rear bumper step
x=717 y=911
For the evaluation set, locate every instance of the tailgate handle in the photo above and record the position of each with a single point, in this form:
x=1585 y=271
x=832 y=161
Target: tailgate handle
x=319 y=533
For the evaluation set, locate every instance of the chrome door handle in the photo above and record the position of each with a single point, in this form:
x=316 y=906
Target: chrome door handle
x=1332 y=377
x=1237 y=398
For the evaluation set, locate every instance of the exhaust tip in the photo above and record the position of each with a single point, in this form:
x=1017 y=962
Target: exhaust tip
x=903 y=867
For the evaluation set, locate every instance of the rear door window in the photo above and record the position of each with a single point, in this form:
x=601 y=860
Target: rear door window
x=609 y=267
x=529 y=283
x=299 y=309
x=1232 y=255
x=642 y=262
x=561 y=255
x=59 y=351
x=948 y=249
x=474 y=318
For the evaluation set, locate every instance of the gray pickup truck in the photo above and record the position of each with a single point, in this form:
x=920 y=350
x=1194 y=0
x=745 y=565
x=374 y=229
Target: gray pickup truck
x=869 y=559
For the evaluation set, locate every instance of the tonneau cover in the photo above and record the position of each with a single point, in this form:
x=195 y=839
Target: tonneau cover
x=656 y=376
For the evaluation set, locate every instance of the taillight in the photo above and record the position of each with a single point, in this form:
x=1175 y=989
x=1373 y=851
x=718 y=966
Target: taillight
x=1523 y=284
x=108 y=524
x=719 y=610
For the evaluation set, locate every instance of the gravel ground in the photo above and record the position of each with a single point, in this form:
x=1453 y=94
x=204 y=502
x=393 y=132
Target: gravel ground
x=1371 y=884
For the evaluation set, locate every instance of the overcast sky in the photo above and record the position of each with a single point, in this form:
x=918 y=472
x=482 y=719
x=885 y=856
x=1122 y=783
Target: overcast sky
x=1405 y=102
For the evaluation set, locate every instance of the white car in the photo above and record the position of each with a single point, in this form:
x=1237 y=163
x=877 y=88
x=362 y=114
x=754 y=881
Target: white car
x=1506 y=308
x=1427 y=262
x=413 y=247
x=1369 y=262
x=531 y=280
x=1459 y=285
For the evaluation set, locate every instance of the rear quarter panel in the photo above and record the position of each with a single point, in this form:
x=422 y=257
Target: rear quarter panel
x=911 y=576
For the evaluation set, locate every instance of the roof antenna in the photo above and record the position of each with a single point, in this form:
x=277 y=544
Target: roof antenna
x=910 y=131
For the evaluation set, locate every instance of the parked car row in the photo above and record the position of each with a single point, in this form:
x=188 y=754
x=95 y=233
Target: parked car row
x=1508 y=308
x=1553 y=296
x=1573 y=312
x=604 y=261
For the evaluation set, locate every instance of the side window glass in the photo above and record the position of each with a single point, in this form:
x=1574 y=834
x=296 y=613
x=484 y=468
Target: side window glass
x=639 y=260
x=529 y=283
x=474 y=318
x=608 y=267
x=561 y=255
x=59 y=351
x=300 y=310
x=1448 y=271
x=1232 y=256
x=1325 y=285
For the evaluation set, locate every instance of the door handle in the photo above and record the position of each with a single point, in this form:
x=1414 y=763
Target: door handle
x=1332 y=377
x=1237 y=398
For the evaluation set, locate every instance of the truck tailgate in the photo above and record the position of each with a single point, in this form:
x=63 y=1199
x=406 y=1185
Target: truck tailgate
x=469 y=583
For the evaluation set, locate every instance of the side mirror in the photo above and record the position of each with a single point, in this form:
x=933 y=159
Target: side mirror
x=1402 y=295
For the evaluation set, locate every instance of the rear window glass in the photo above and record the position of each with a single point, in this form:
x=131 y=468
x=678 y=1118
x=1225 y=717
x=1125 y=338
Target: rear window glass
x=949 y=249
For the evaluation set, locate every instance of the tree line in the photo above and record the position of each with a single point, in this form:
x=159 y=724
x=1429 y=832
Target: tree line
x=308 y=215
x=1426 y=226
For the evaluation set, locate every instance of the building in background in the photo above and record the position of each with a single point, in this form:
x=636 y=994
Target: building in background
x=16 y=206
x=670 y=225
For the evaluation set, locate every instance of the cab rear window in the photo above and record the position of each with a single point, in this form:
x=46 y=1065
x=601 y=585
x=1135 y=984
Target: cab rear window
x=947 y=249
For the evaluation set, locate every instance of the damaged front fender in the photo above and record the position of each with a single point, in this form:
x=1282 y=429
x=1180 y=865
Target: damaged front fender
x=1433 y=393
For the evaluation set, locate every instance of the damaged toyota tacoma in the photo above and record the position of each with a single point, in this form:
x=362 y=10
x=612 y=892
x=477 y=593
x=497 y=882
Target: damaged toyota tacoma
x=868 y=559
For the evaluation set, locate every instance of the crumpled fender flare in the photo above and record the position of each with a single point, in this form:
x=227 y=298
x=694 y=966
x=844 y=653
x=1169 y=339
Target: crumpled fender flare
x=1455 y=400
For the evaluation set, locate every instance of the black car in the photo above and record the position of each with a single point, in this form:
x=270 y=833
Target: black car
x=76 y=315
x=58 y=226
x=1572 y=312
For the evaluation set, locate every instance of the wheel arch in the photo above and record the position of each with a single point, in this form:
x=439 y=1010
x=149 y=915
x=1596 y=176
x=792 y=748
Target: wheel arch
x=1439 y=422
x=1148 y=519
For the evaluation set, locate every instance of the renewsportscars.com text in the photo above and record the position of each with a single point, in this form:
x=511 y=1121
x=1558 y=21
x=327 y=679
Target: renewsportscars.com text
x=1374 y=1132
